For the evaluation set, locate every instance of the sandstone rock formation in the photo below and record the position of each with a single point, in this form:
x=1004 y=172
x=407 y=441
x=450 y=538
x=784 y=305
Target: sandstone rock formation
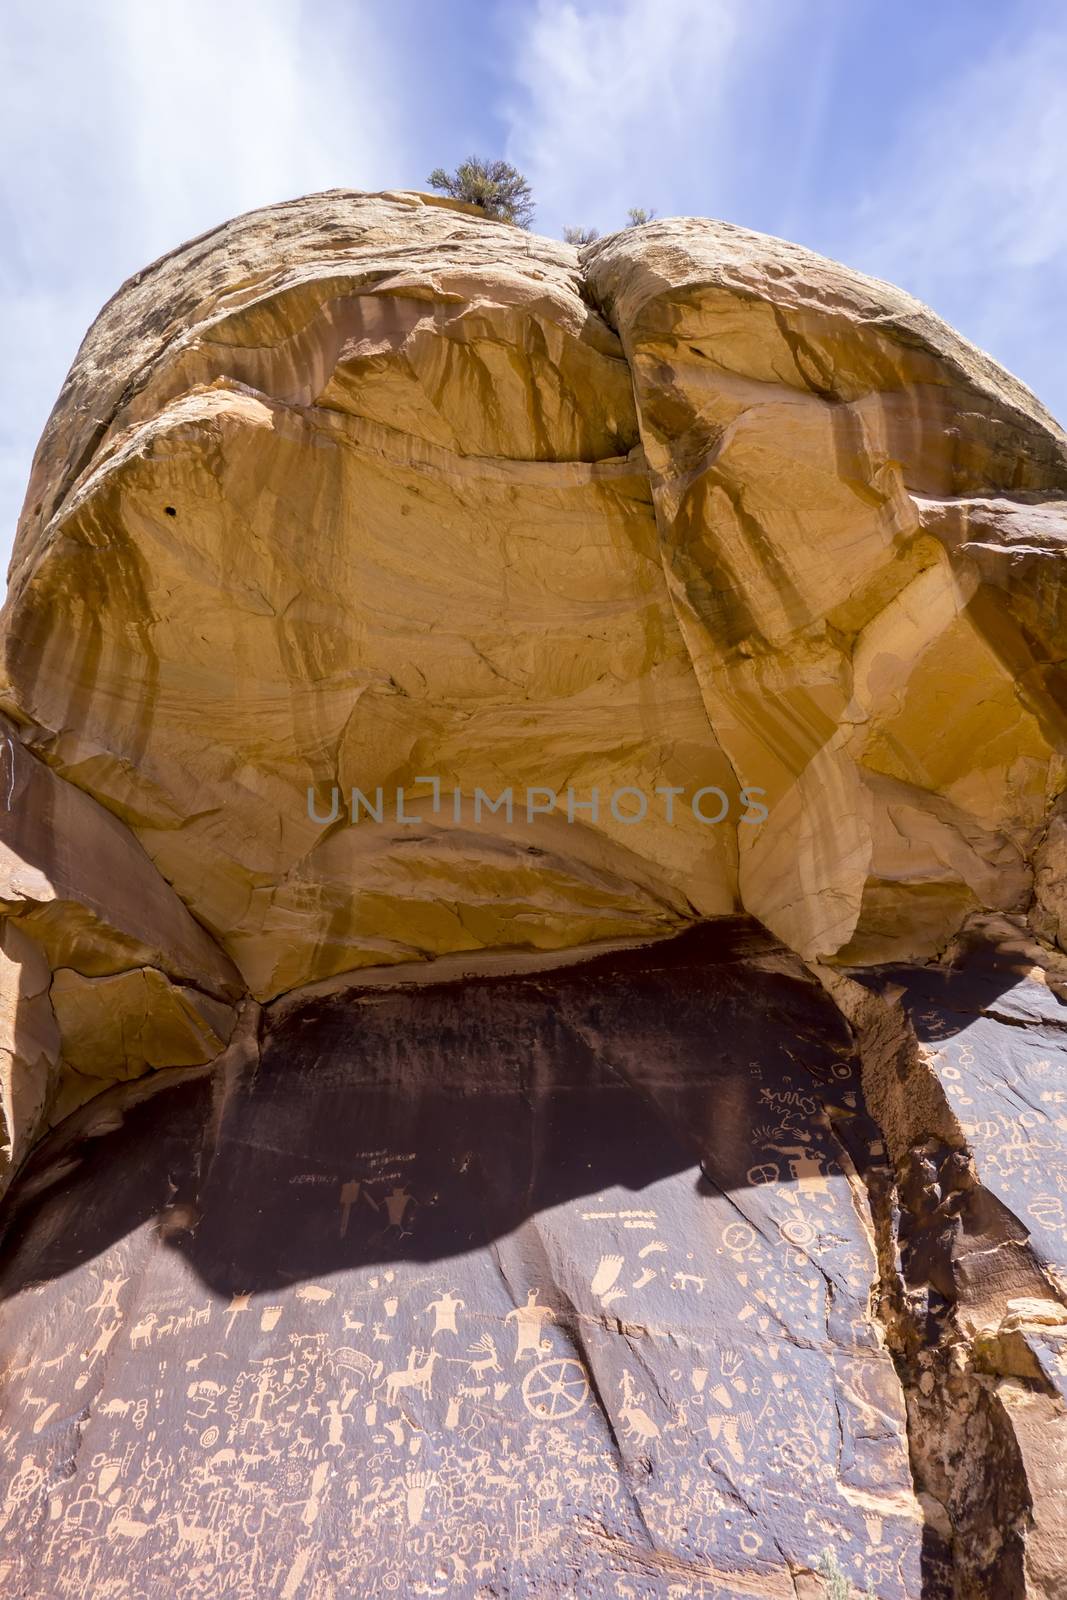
x=29 y=1053
x=298 y=421
x=692 y=594
x=859 y=516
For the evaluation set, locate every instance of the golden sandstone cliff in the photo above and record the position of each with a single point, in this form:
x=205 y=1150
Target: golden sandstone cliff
x=369 y=493
x=364 y=488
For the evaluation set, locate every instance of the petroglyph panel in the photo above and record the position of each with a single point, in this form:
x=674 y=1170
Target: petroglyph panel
x=554 y=1285
x=993 y=1032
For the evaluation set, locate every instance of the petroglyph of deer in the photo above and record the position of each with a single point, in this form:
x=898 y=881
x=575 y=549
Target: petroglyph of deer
x=487 y=1359
x=123 y=1526
x=193 y=1536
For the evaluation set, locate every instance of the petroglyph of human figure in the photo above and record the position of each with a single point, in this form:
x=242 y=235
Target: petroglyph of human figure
x=334 y=1423
x=261 y=1394
x=444 y=1308
x=351 y=1193
x=239 y=1303
x=97 y=1351
x=397 y=1202
x=529 y=1319
x=108 y=1298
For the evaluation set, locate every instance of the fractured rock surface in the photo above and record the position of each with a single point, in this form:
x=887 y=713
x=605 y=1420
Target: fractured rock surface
x=860 y=517
x=975 y=1303
x=108 y=942
x=29 y=1047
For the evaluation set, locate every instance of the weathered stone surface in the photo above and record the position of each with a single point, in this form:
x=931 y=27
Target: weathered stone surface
x=119 y=940
x=971 y=1086
x=993 y=1037
x=1049 y=913
x=670 y=1274
x=29 y=1047
x=76 y=879
x=860 y=519
x=369 y=468
x=122 y=1026
x=443 y=1344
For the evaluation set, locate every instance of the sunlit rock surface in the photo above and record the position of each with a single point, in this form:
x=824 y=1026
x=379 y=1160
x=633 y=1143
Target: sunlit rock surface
x=416 y=1261
x=860 y=517
x=366 y=504
x=361 y=497
x=119 y=964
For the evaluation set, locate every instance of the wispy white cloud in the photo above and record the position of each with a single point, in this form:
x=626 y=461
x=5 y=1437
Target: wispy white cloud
x=955 y=186
x=627 y=103
x=128 y=127
x=969 y=210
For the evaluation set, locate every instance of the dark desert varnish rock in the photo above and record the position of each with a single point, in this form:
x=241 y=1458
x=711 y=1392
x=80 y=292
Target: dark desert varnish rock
x=556 y=1284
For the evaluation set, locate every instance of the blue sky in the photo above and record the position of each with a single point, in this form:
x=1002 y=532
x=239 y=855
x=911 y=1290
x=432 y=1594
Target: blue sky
x=923 y=141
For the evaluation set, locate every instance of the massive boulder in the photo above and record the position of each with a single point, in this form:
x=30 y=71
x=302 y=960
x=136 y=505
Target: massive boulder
x=361 y=500
x=533 y=787
x=360 y=497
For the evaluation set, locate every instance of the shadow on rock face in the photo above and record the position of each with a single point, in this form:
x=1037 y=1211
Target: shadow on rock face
x=421 y=1123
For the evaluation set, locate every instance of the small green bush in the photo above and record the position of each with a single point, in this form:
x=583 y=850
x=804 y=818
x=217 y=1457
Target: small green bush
x=494 y=186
